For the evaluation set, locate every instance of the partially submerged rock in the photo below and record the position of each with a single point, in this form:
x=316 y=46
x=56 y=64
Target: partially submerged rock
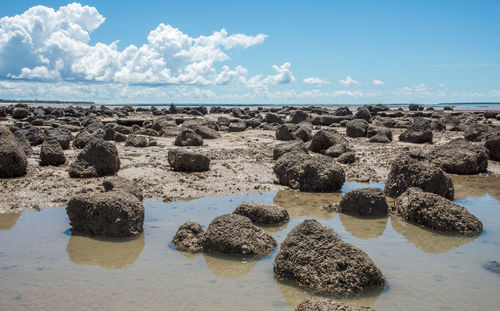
x=409 y=170
x=364 y=202
x=98 y=158
x=51 y=153
x=13 y=161
x=190 y=237
x=263 y=214
x=301 y=171
x=435 y=212
x=460 y=156
x=326 y=304
x=315 y=257
x=233 y=234
x=115 y=214
x=186 y=161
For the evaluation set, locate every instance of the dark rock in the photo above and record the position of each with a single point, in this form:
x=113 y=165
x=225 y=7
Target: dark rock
x=435 y=212
x=459 y=156
x=299 y=116
x=356 y=128
x=23 y=142
x=233 y=234
x=116 y=214
x=294 y=145
x=136 y=141
x=98 y=158
x=363 y=113
x=477 y=132
x=493 y=146
x=326 y=304
x=119 y=137
x=82 y=139
x=188 y=137
x=273 y=118
x=237 y=127
x=147 y=132
x=292 y=132
x=185 y=161
x=379 y=138
x=190 y=237
x=63 y=136
x=336 y=150
x=117 y=183
x=315 y=257
x=375 y=130
x=205 y=132
x=299 y=170
x=364 y=202
x=347 y=158
x=419 y=132
x=343 y=111
x=409 y=171
x=415 y=107
x=324 y=139
x=263 y=214
x=35 y=135
x=51 y=153
x=438 y=125
x=20 y=113
x=13 y=162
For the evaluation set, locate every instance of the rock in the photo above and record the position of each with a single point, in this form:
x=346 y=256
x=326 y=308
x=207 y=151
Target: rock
x=347 y=158
x=375 y=130
x=292 y=132
x=299 y=116
x=205 y=132
x=263 y=214
x=294 y=145
x=326 y=304
x=324 y=139
x=435 y=212
x=136 y=141
x=273 y=118
x=419 y=132
x=299 y=170
x=98 y=158
x=82 y=139
x=438 y=125
x=188 y=138
x=315 y=257
x=410 y=170
x=190 y=237
x=119 y=137
x=35 y=135
x=51 y=153
x=233 y=234
x=186 y=161
x=23 y=142
x=117 y=183
x=364 y=202
x=459 y=156
x=356 y=128
x=363 y=113
x=476 y=132
x=20 y=113
x=343 y=111
x=379 y=138
x=493 y=146
x=237 y=127
x=13 y=162
x=415 y=107
x=63 y=136
x=116 y=214
x=336 y=150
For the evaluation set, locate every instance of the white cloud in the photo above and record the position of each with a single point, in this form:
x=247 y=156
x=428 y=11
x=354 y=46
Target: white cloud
x=283 y=76
x=348 y=81
x=317 y=81
x=47 y=44
x=377 y=82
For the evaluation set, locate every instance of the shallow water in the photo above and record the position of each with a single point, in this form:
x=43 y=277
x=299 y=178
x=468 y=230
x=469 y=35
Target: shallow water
x=44 y=267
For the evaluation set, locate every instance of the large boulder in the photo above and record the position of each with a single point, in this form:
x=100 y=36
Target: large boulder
x=188 y=137
x=324 y=139
x=51 y=153
x=493 y=146
x=419 y=132
x=136 y=141
x=13 y=161
x=116 y=214
x=35 y=135
x=263 y=214
x=435 y=212
x=205 y=132
x=63 y=136
x=363 y=113
x=364 y=202
x=233 y=234
x=293 y=131
x=327 y=304
x=294 y=145
x=410 y=170
x=186 y=161
x=20 y=113
x=82 y=139
x=98 y=158
x=301 y=171
x=356 y=128
x=315 y=257
x=299 y=116
x=190 y=237
x=379 y=130
x=117 y=183
x=460 y=156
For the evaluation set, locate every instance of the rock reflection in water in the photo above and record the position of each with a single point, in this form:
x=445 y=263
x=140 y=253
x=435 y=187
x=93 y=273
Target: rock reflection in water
x=430 y=242
x=307 y=204
x=294 y=295
x=363 y=228
x=228 y=267
x=109 y=254
x=475 y=186
x=273 y=229
x=8 y=220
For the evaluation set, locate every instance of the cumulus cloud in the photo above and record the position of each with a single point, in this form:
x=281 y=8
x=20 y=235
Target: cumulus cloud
x=348 y=81
x=47 y=44
x=283 y=75
x=377 y=82
x=317 y=81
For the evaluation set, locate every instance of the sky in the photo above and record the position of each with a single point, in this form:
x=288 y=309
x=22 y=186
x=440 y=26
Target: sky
x=259 y=52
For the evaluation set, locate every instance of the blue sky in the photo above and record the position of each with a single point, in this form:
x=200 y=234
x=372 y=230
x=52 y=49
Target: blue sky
x=270 y=52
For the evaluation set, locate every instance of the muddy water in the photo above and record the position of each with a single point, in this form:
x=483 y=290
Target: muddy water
x=44 y=267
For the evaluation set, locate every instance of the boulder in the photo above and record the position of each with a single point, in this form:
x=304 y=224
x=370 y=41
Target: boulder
x=293 y=145
x=82 y=139
x=343 y=111
x=301 y=171
x=188 y=137
x=273 y=118
x=410 y=170
x=356 y=128
x=205 y=132
x=337 y=150
x=116 y=214
x=13 y=161
x=476 y=132
x=363 y=113
x=460 y=156
x=435 y=212
x=263 y=214
x=379 y=138
x=347 y=158
x=299 y=116
x=493 y=146
x=136 y=141
x=186 y=161
x=63 y=136
x=233 y=234
x=375 y=130
x=419 y=132
x=51 y=153
x=119 y=137
x=190 y=237
x=237 y=127
x=324 y=139
x=98 y=158
x=364 y=202
x=20 y=113
x=117 y=183
x=23 y=142
x=292 y=132
x=327 y=304
x=315 y=257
